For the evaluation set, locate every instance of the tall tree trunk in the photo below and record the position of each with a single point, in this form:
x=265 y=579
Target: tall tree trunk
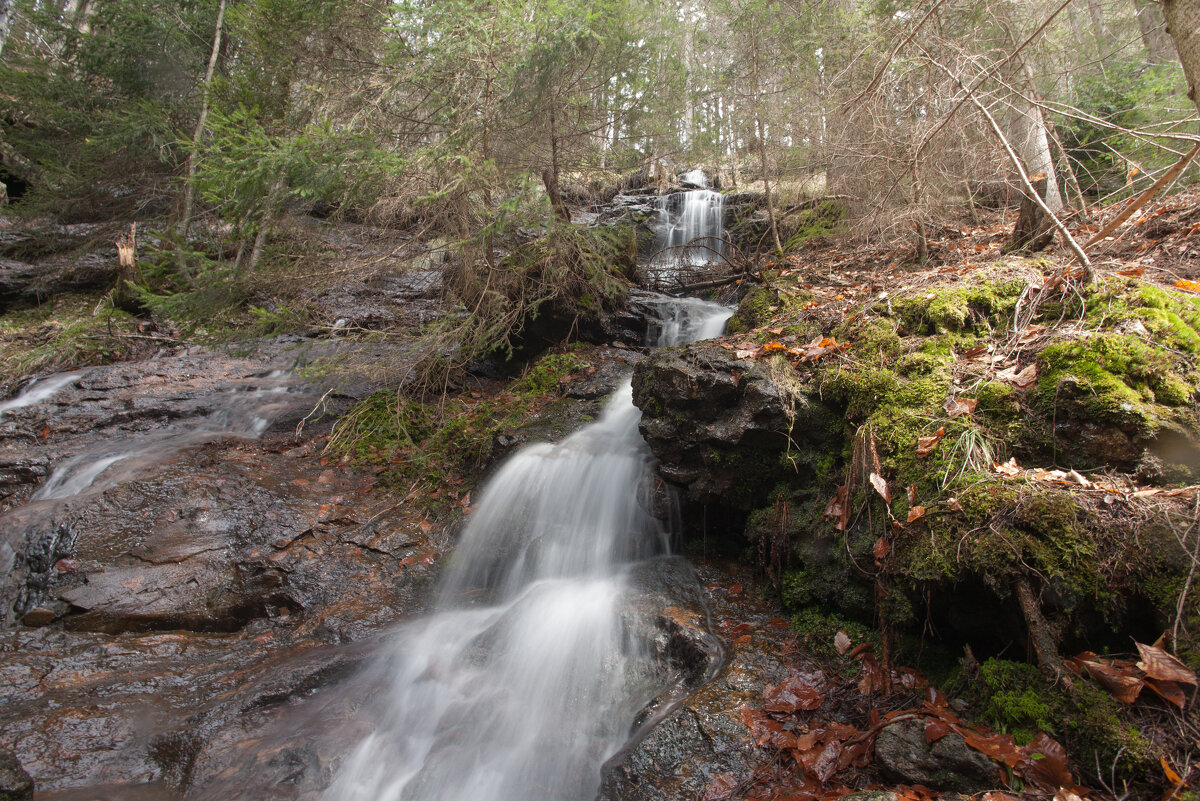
x=189 y=194
x=760 y=134
x=550 y=176
x=1152 y=27
x=1183 y=24
x=1033 y=145
x=7 y=11
x=1099 y=30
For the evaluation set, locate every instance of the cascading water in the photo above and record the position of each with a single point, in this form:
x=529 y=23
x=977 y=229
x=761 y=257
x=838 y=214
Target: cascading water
x=240 y=412
x=691 y=226
x=526 y=681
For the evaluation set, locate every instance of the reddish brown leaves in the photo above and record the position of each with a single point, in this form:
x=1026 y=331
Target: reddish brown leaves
x=1158 y=664
x=720 y=786
x=881 y=486
x=925 y=445
x=798 y=691
x=1158 y=670
x=916 y=513
x=957 y=407
x=1046 y=764
x=1021 y=380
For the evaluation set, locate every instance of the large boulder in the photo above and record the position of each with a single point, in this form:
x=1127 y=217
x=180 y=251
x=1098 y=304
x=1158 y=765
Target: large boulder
x=722 y=428
x=904 y=756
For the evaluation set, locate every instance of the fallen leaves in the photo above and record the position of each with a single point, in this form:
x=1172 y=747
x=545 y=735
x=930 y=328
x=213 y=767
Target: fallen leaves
x=796 y=692
x=1125 y=679
x=1187 y=285
x=925 y=445
x=957 y=407
x=1022 y=379
x=881 y=487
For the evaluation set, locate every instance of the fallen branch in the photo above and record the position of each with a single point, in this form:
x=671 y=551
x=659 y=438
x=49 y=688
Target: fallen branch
x=1145 y=196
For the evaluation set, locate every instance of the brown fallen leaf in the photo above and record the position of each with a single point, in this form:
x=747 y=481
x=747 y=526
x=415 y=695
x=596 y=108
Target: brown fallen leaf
x=1158 y=664
x=882 y=549
x=1169 y=691
x=1047 y=765
x=954 y=504
x=841 y=643
x=1021 y=380
x=1123 y=686
x=799 y=691
x=925 y=445
x=957 y=407
x=881 y=486
x=1186 y=285
x=1009 y=468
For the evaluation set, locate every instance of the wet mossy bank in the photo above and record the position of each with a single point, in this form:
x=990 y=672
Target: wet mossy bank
x=954 y=448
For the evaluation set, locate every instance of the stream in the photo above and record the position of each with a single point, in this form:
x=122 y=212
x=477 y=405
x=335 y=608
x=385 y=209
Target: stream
x=219 y=593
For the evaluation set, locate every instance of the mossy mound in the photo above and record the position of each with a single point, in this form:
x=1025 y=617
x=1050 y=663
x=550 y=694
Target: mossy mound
x=958 y=398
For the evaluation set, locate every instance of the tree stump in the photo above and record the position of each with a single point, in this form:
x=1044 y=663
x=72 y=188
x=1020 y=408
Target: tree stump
x=1033 y=230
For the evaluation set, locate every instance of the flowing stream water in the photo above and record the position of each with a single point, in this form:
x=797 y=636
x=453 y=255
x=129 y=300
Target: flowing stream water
x=526 y=680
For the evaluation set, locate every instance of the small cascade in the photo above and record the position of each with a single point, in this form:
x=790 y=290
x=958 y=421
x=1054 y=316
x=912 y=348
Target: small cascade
x=525 y=682
x=243 y=411
x=691 y=226
x=40 y=389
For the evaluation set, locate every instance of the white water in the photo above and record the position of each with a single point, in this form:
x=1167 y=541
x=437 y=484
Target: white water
x=525 y=682
x=691 y=227
x=39 y=390
x=243 y=411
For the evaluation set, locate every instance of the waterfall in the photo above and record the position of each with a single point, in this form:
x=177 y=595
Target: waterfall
x=691 y=225
x=524 y=682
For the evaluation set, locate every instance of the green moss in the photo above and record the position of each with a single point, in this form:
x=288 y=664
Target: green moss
x=1111 y=378
x=816 y=630
x=975 y=308
x=874 y=339
x=754 y=310
x=69 y=331
x=1016 y=698
x=547 y=373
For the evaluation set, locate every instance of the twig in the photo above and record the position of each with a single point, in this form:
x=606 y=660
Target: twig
x=888 y=61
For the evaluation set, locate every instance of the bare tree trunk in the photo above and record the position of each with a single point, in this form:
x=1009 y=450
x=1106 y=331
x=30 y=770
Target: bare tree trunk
x=760 y=132
x=1098 y=28
x=1183 y=23
x=550 y=176
x=1152 y=27
x=189 y=194
x=1031 y=141
x=6 y=16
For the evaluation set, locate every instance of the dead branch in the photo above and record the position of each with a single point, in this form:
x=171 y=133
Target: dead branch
x=1141 y=200
x=1040 y=635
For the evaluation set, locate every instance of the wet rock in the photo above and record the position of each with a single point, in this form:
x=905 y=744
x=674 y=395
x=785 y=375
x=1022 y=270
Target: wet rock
x=15 y=783
x=695 y=736
x=719 y=426
x=903 y=755
x=39 y=616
